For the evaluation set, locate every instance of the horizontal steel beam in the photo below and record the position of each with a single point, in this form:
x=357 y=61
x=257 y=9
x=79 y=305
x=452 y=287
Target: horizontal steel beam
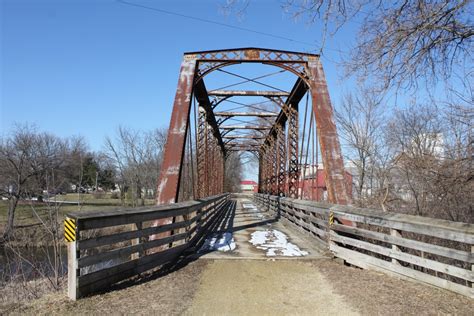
x=224 y=93
x=243 y=137
x=242 y=144
x=256 y=114
x=246 y=127
x=247 y=141
x=243 y=149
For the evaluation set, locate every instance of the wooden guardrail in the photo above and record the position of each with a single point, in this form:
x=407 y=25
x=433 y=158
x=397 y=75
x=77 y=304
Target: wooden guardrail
x=106 y=247
x=434 y=251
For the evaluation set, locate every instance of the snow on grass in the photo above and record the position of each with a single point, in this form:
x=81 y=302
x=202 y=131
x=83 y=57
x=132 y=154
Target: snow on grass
x=276 y=244
x=220 y=242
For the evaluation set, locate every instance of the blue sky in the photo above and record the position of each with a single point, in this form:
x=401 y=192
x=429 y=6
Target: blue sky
x=85 y=67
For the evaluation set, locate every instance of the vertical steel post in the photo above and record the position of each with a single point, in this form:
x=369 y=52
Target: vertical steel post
x=168 y=183
x=281 y=160
x=201 y=153
x=327 y=134
x=172 y=165
x=293 y=168
x=260 y=172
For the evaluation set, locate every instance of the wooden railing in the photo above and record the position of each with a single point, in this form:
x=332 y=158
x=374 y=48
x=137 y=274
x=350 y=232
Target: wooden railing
x=434 y=251
x=114 y=245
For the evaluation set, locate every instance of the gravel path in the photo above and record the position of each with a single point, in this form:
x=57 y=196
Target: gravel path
x=260 y=287
x=257 y=287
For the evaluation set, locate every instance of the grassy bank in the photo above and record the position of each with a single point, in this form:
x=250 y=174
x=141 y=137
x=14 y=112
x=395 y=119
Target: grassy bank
x=30 y=216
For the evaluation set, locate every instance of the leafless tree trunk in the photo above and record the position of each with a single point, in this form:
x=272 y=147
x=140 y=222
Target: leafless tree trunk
x=25 y=158
x=137 y=158
x=359 y=119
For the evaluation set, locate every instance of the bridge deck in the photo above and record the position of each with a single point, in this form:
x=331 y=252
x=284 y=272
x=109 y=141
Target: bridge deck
x=247 y=232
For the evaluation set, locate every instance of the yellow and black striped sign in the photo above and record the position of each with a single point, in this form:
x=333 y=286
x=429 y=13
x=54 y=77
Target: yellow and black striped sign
x=331 y=218
x=70 y=229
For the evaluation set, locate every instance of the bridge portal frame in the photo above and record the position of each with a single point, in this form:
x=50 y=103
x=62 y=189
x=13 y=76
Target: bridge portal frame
x=275 y=176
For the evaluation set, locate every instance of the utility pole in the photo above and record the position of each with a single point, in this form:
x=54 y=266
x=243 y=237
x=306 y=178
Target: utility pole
x=96 y=176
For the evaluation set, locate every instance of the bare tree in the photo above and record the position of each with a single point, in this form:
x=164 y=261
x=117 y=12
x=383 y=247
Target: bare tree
x=233 y=173
x=27 y=157
x=359 y=119
x=137 y=158
x=398 y=42
x=433 y=170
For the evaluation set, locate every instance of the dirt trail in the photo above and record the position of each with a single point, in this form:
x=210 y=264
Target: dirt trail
x=254 y=287
x=257 y=287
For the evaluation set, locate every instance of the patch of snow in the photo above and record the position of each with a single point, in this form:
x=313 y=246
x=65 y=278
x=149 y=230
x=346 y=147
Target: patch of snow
x=249 y=205
x=276 y=244
x=220 y=242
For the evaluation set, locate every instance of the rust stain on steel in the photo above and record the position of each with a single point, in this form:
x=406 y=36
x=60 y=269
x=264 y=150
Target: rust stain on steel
x=252 y=54
x=327 y=134
x=176 y=135
x=168 y=183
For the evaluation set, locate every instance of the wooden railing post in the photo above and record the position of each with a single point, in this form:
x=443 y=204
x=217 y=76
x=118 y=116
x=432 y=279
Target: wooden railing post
x=71 y=234
x=472 y=269
x=395 y=233
x=136 y=241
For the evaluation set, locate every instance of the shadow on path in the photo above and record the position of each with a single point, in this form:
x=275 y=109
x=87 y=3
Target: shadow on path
x=222 y=222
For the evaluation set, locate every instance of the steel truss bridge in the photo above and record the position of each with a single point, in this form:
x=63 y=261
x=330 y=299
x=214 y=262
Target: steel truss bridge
x=285 y=135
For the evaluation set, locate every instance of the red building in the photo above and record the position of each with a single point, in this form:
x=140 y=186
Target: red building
x=313 y=187
x=248 y=186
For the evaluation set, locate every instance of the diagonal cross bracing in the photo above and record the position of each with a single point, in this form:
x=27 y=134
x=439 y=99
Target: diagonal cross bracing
x=202 y=97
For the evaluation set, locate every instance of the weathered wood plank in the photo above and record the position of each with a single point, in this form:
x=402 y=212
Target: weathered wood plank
x=409 y=243
x=322 y=242
x=121 y=252
x=368 y=262
x=125 y=236
x=309 y=206
x=306 y=217
x=127 y=270
x=461 y=232
x=311 y=228
x=107 y=218
x=422 y=262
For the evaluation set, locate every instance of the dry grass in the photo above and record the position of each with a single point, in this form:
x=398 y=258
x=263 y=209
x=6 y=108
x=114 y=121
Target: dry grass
x=376 y=293
x=16 y=293
x=367 y=292
x=171 y=294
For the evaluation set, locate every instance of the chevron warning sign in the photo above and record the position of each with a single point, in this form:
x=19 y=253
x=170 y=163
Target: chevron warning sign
x=69 y=229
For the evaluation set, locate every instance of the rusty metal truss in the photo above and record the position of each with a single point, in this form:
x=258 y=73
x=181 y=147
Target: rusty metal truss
x=273 y=136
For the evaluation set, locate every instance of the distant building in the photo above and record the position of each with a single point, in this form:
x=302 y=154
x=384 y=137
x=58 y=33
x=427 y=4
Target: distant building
x=248 y=186
x=313 y=186
x=431 y=144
